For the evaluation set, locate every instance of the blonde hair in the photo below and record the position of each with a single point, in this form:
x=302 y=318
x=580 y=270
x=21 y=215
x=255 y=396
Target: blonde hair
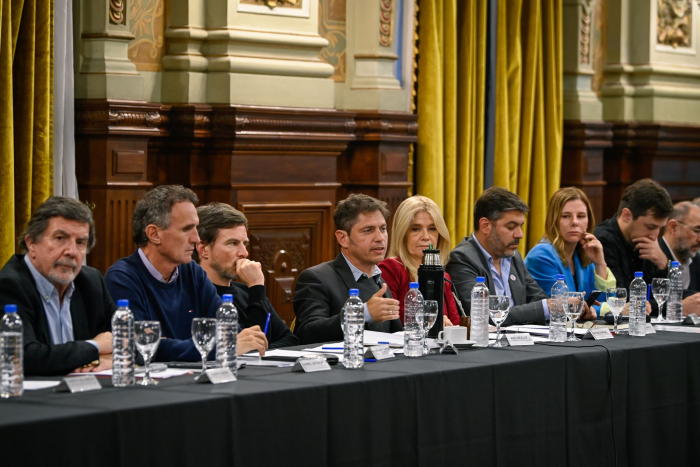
x=552 y=232
x=403 y=220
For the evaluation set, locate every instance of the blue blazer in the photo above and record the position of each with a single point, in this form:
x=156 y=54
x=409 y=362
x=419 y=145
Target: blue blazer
x=543 y=263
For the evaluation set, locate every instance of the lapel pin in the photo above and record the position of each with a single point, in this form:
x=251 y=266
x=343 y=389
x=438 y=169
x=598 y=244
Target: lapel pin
x=512 y=277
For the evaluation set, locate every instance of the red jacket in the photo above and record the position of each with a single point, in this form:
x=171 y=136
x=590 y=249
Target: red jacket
x=396 y=277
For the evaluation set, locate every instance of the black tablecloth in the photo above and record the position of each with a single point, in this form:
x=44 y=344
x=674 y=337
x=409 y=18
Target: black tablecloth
x=539 y=405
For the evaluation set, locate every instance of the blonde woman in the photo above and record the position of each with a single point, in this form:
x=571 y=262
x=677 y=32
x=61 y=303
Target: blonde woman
x=417 y=224
x=568 y=247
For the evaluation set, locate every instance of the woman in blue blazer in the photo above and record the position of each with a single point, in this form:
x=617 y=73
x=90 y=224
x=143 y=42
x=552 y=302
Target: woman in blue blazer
x=568 y=247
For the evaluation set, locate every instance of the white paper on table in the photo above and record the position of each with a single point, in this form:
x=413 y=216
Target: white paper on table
x=690 y=329
x=543 y=330
x=282 y=353
x=377 y=338
x=168 y=373
x=36 y=385
x=535 y=337
x=257 y=361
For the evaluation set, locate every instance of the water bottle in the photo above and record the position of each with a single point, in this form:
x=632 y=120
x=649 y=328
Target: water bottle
x=674 y=306
x=227 y=334
x=123 y=345
x=412 y=331
x=354 y=330
x=11 y=354
x=557 y=310
x=480 y=314
x=638 y=301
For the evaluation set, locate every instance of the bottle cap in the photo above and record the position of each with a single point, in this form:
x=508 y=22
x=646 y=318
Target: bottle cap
x=638 y=274
x=354 y=292
x=413 y=285
x=10 y=308
x=560 y=277
x=675 y=264
x=227 y=298
x=480 y=279
x=123 y=303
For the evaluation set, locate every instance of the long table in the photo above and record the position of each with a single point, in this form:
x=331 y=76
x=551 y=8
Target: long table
x=621 y=402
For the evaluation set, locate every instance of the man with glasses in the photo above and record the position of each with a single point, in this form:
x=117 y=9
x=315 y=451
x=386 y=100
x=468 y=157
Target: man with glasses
x=681 y=242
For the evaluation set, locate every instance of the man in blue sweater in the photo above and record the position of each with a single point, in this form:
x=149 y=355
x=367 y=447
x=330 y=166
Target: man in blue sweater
x=161 y=281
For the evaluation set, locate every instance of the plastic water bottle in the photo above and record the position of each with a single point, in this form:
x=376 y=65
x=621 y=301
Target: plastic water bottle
x=227 y=334
x=412 y=331
x=557 y=310
x=638 y=301
x=480 y=314
x=11 y=354
x=674 y=306
x=123 y=345
x=354 y=330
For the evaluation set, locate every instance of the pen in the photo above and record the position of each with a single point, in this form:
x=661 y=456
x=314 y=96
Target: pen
x=370 y=359
x=331 y=348
x=267 y=324
x=383 y=342
x=648 y=291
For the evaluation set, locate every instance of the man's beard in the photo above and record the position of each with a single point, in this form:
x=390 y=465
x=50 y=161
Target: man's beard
x=683 y=251
x=63 y=278
x=495 y=244
x=229 y=273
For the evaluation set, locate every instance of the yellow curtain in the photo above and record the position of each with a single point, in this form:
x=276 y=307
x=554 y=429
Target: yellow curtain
x=449 y=162
x=529 y=105
x=26 y=114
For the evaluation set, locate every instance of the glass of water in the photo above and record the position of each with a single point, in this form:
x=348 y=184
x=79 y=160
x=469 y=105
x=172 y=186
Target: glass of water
x=430 y=311
x=616 y=305
x=659 y=287
x=204 y=337
x=573 y=311
x=620 y=293
x=499 y=306
x=147 y=337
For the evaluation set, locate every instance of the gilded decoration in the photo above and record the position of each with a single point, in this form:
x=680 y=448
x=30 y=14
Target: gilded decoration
x=386 y=18
x=116 y=11
x=273 y=3
x=148 y=27
x=585 y=36
x=331 y=14
x=674 y=22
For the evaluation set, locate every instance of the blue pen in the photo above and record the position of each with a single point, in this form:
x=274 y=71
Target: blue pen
x=331 y=348
x=648 y=291
x=267 y=324
x=383 y=342
x=370 y=360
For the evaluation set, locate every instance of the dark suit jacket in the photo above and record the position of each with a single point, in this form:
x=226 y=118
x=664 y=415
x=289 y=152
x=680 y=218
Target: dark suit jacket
x=467 y=262
x=694 y=268
x=319 y=296
x=91 y=310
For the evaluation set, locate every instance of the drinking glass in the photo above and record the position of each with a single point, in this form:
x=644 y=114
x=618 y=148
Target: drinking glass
x=499 y=306
x=147 y=337
x=621 y=293
x=616 y=305
x=204 y=337
x=659 y=287
x=430 y=311
x=573 y=311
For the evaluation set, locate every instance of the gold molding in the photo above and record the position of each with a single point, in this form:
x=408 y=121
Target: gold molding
x=585 y=36
x=674 y=23
x=116 y=11
x=386 y=20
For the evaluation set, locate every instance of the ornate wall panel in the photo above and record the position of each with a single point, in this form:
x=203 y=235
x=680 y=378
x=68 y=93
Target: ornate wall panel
x=148 y=27
x=331 y=26
x=284 y=167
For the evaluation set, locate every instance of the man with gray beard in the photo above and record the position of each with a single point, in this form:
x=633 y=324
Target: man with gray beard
x=65 y=307
x=492 y=252
x=680 y=242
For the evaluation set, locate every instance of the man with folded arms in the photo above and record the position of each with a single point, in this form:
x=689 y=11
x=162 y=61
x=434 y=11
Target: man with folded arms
x=65 y=307
x=161 y=281
x=223 y=254
x=492 y=252
x=681 y=242
x=630 y=237
x=322 y=290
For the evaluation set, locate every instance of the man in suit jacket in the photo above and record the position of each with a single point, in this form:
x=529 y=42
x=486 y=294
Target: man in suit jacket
x=491 y=252
x=322 y=290
x=681 y=242
x=65 y=307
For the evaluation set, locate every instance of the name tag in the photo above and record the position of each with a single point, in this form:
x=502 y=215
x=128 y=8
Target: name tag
x=691 y=319
x=216 y=376
x=650 y=329
x=311 y=364
x=519 y=339
x=379 y=352
x=598 y=334
x=75 y=384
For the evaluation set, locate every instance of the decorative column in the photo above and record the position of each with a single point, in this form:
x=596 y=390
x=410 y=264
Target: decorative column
x=106 y=71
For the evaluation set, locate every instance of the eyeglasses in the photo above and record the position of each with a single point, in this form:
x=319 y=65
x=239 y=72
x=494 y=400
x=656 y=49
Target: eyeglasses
x=694 y=229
